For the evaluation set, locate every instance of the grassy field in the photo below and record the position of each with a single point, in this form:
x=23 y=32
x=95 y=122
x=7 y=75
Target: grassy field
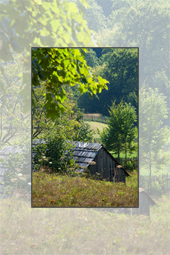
x=96 y=125
x=26 y=230
x=54 y=190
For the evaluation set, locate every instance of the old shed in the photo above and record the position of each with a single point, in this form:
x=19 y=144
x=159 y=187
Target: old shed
x=97 y=159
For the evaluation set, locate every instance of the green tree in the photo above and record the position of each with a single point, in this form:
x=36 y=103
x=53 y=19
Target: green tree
x=40 y=23
x=95 y=16
x=120 y=133
x=91 y=58
x=153 y=134
x=70 y=123
x=13 y=120
x=58 y=67
x=129 y=132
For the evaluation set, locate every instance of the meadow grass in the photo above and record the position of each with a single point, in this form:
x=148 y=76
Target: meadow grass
x=96 y=125
x=55 y=190
x=25 y=230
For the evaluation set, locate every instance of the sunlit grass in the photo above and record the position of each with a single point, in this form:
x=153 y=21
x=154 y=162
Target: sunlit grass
x=96 y=125
x=53 y=190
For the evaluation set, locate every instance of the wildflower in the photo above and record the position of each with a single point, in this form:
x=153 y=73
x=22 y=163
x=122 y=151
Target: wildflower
x=29 y=183
x=20 y=175
x=50 y=162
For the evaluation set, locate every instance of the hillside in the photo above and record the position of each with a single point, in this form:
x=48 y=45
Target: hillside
x=96 y=125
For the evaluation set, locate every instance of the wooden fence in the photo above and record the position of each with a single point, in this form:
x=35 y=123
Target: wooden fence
x=94 y=117
x=159 y=183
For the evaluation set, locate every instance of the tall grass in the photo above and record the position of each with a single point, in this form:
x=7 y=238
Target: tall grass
x=54 y=190
x=26 y=230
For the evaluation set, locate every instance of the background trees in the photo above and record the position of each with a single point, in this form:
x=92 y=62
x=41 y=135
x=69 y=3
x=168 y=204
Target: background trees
x=13 y=119
x=154 y=134
x=120 y=67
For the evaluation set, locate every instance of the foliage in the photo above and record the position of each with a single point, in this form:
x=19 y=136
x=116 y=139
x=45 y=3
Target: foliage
x=64 y=191
x=120 y=133
x=154 y=135
x=20 y=177
x=58 y=67
x=52 y=154
x=70 y=123
x=152 y=20
x=129 y=165
x=40 y=24
x=157 y=189
x=14 y=128
x=95 y=17
x=120 y=67
x=146 y=25
x=91 y=58
x=12 y=117
x=106 y=6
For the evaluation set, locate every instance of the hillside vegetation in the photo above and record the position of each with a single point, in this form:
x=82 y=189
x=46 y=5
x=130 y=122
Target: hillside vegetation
x=56 y=190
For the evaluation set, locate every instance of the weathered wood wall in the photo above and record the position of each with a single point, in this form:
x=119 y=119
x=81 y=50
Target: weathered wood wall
x=105 y=165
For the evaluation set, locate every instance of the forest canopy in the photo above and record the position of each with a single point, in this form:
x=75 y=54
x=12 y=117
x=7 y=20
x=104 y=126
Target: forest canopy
x=120 y=67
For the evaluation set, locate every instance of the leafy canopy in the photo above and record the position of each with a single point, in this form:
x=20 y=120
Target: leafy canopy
x=58 y=67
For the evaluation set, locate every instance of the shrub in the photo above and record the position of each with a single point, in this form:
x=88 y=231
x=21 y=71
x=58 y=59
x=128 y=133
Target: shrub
x=55 y=154
x=129 y=165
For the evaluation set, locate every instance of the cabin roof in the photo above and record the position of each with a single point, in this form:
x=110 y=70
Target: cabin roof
x=84 y=153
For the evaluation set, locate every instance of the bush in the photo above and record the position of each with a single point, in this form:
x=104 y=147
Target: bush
x=17 y=173
x=129 y=165
x=52 y=154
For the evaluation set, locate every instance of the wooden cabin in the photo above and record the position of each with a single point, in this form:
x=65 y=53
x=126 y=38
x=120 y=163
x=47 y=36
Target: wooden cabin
x=96 y=158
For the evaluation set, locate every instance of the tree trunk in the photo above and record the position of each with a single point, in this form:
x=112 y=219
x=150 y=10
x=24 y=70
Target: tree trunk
x=150 y=172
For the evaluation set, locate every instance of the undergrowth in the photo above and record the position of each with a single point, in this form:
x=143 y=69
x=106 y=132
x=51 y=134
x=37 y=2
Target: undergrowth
x=56 y=190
